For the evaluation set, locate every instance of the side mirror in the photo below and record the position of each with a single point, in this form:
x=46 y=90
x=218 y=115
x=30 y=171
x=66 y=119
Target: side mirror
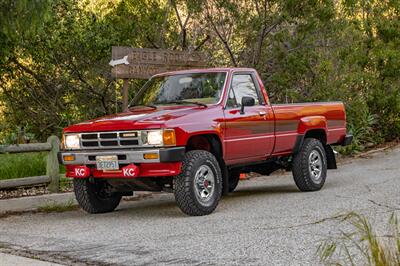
x=247 y=101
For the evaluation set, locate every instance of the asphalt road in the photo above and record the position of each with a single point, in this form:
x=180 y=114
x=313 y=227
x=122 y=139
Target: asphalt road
x=267 y=221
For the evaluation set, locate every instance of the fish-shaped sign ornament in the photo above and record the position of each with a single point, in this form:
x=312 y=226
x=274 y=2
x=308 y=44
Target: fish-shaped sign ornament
x=142 y=63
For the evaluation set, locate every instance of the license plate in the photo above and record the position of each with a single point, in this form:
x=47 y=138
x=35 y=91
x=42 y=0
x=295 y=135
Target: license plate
x=107 y=162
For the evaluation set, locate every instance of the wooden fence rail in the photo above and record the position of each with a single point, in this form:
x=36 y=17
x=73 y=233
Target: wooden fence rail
x=52 y=177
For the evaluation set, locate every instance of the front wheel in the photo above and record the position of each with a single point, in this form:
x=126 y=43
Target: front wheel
x=93 y=196
x=309 y=166
x=198 y=187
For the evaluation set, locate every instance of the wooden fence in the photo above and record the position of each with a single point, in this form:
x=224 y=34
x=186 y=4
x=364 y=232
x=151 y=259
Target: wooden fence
x=52 y=177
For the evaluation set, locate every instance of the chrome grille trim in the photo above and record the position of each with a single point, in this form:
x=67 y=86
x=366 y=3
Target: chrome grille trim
x=110 y=140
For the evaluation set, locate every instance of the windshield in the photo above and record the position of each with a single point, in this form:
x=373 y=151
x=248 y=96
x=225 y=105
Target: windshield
x=204 y=88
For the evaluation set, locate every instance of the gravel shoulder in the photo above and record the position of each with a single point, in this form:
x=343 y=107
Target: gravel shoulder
x=267 y=221
x=13 y=260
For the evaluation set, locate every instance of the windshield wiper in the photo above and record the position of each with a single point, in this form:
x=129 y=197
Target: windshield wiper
x=189 y=102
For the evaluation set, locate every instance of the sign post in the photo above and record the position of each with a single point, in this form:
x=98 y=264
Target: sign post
x=142 y=63
x=125 y=95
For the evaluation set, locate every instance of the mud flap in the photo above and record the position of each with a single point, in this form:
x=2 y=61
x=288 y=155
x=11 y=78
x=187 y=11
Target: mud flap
x=330 y=157
x=225 y=178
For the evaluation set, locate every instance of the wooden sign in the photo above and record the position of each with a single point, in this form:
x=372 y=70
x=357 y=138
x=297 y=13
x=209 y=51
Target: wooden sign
x=143 y=63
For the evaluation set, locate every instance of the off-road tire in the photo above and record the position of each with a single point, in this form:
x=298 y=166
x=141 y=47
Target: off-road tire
x=301 y=171
x=184 y=187
x=87 y=195
x=234 y=177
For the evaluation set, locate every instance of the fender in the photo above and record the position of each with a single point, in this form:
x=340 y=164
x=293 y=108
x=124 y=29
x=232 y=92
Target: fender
x=312 y=122
x=218 y=150
x=200 y=133
x=184 y=133
x=307 y=124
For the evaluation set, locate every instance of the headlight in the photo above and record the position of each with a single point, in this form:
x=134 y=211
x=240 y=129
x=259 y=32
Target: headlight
x=71 y=142
x=154 y=137
x=164 y=137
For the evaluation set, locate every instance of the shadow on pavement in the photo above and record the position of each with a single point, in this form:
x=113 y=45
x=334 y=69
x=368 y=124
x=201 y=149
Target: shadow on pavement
x=260 y=190
x=154 y=208
x=167 y=208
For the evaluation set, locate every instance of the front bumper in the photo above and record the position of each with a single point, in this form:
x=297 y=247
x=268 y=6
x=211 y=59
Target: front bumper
x=165 y=155
x=168 y=163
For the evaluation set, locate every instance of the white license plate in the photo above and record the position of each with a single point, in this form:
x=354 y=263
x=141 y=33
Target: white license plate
x=107 y=162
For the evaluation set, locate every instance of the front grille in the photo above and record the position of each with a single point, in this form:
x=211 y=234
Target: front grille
x=90 y=143
x=109 y=143
x=108 y=135
x=105 y=140
x=129 y=142
x=89 y=136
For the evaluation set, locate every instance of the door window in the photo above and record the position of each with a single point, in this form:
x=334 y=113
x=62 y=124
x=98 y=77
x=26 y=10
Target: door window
x=242 y=85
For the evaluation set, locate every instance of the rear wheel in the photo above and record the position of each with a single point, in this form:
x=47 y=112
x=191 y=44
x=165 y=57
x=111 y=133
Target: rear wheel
x=309 y=166
x=94 y=197
x=198 y=187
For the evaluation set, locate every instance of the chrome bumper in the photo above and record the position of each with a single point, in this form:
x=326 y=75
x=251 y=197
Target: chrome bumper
x=174 y=154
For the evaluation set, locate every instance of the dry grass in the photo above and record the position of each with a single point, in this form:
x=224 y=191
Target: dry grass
x=362 y=246
x=58 y=207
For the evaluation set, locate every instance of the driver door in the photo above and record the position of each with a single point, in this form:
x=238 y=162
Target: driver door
x=248 y=136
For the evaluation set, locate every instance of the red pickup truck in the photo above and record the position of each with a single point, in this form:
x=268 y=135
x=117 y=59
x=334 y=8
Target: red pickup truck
x=192 y=133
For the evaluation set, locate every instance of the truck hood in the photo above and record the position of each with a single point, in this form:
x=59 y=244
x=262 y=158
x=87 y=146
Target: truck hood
x=134 y=118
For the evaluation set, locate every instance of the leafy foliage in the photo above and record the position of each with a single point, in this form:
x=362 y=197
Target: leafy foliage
x=54 y=55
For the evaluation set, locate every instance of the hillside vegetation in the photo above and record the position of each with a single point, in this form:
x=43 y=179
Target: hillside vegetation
x=54 y=55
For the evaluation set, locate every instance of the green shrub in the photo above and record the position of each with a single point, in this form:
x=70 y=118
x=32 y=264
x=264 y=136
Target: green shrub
x=385 y=103
x=361 y=124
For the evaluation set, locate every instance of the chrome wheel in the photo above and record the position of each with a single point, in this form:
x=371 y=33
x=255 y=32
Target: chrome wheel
x=309 y=165
x=198 y=188
x=204 y=183
x=315 y=165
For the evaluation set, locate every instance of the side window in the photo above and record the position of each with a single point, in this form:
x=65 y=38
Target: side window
x=242 y=85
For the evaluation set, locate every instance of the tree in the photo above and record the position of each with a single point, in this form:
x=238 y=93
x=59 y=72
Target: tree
x=54 y=54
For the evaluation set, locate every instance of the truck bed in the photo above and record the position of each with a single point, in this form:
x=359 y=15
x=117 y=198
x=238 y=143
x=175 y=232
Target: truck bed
x=289 y=119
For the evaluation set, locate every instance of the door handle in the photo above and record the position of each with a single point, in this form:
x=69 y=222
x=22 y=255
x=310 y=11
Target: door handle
x=262 y=113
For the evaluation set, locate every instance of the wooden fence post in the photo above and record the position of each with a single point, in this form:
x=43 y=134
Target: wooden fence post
x=53 y=168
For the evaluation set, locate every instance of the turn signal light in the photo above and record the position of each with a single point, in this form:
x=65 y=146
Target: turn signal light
x=169 y=138
x=69 y=158
x=150 y=156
